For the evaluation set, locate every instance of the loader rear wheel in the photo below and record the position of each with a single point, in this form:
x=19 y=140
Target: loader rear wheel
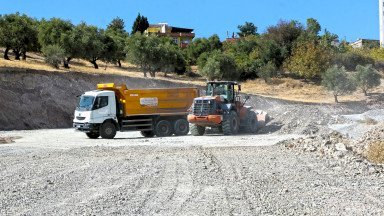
x=197 y=130
x=181 y=127
x=163 y=128
x=231 y=124
x=108 y=130
x=251 y=126
x=147 y=134
x=92 y=135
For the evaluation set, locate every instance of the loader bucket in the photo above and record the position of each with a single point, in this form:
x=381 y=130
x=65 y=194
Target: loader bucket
x=262 y=119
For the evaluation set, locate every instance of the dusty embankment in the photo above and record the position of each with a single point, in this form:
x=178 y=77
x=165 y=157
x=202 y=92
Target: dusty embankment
x=32 y=99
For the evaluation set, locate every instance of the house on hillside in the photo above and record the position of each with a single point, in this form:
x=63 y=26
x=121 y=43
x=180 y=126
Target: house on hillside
x=365 y=43
x=181 y=36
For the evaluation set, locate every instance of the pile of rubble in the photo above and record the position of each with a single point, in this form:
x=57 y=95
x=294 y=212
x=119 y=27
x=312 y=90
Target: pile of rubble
x=337 y=146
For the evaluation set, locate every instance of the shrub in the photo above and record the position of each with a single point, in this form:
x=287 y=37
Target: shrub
x=351 y=59
x=375 y=152
x=54 y=55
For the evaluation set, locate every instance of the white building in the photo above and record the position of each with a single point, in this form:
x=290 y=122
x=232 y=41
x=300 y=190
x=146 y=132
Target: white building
x=381 y=14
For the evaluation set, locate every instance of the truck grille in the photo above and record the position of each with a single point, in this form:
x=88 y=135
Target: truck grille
x=203 y=107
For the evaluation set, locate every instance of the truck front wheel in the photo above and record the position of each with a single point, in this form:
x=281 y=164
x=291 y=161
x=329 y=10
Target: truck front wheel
x=108 y=130
x=163 y=128
x=92 y=135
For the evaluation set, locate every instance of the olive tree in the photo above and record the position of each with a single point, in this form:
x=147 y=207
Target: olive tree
x=366 y=78
x=337 y=81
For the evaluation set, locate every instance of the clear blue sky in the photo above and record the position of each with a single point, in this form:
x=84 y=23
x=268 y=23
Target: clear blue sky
x=350 y=19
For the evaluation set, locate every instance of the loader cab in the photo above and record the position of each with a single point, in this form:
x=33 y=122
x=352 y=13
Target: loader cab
x=229 y=90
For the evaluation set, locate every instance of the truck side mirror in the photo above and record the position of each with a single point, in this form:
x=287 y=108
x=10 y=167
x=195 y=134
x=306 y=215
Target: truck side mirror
x=239 y=87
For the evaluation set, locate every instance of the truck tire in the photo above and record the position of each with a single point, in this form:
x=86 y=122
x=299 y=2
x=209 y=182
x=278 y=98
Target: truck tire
x=108 y=130
x=163 y=128
x=181 y=127
x=92 y=135
x=197 y=130
x=147 y=134
x=251 y=126
x=231 y=124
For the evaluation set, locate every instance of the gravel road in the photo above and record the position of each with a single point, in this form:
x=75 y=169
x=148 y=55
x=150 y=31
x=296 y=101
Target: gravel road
x=60 y=172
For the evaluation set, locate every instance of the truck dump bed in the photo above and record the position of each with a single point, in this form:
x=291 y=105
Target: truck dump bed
x=161 y=101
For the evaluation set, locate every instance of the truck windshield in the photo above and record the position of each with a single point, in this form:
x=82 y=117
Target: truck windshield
x=86 y=103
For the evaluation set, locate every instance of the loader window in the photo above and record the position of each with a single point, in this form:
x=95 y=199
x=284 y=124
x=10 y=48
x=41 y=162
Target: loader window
x=86 y=103
x=100 y=102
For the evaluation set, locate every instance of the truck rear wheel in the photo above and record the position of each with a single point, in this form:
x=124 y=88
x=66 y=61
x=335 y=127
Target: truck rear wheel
x=92 y=135
x=181 y=127
x=231 y=124
x=197 y=130
x=251 y=126
x=163 y=128
x=108 y=130
x=147 y=134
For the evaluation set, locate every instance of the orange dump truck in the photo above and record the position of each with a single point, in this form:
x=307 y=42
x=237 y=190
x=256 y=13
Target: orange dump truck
x=153 y=112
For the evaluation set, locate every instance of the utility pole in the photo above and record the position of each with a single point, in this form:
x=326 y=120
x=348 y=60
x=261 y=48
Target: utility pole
x=381 y=15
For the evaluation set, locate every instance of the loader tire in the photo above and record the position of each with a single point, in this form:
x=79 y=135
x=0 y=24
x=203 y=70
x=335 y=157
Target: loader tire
x=181 y=127
x=163 y=128
x=92 y=135
x=147 y=134
x=231 y=124
x=251 y=126
x=197 y=130
x=108 y=130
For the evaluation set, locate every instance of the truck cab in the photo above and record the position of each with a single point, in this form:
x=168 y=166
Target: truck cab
x=94 y=108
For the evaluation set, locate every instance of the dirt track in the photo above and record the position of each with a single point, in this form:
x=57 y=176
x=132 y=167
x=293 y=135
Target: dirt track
x=62 y=172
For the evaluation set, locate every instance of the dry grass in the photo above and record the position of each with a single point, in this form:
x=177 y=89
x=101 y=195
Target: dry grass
x=298 y=90
x=375 y=152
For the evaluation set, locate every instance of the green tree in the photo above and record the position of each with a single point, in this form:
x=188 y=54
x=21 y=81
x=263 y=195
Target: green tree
x=267 y=71
x=309 y=60
x=202 y=45
x=148 y=52
x=247 y=29
x=140 y=24
x=367 y=78
x=285 y=34
x=117 y=24
x=172 y=57
x=313 y=26
x=219 y=66
x=90 y=42
x=54 y=55
x=336 y=80
x=57 y=32
x=19 y=33
x=116 y=31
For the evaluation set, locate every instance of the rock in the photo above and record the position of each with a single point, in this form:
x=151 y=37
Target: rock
x=340 y=147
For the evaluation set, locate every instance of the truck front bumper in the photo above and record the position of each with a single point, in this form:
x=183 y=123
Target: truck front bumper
x=210 y=120
x=86 y=127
